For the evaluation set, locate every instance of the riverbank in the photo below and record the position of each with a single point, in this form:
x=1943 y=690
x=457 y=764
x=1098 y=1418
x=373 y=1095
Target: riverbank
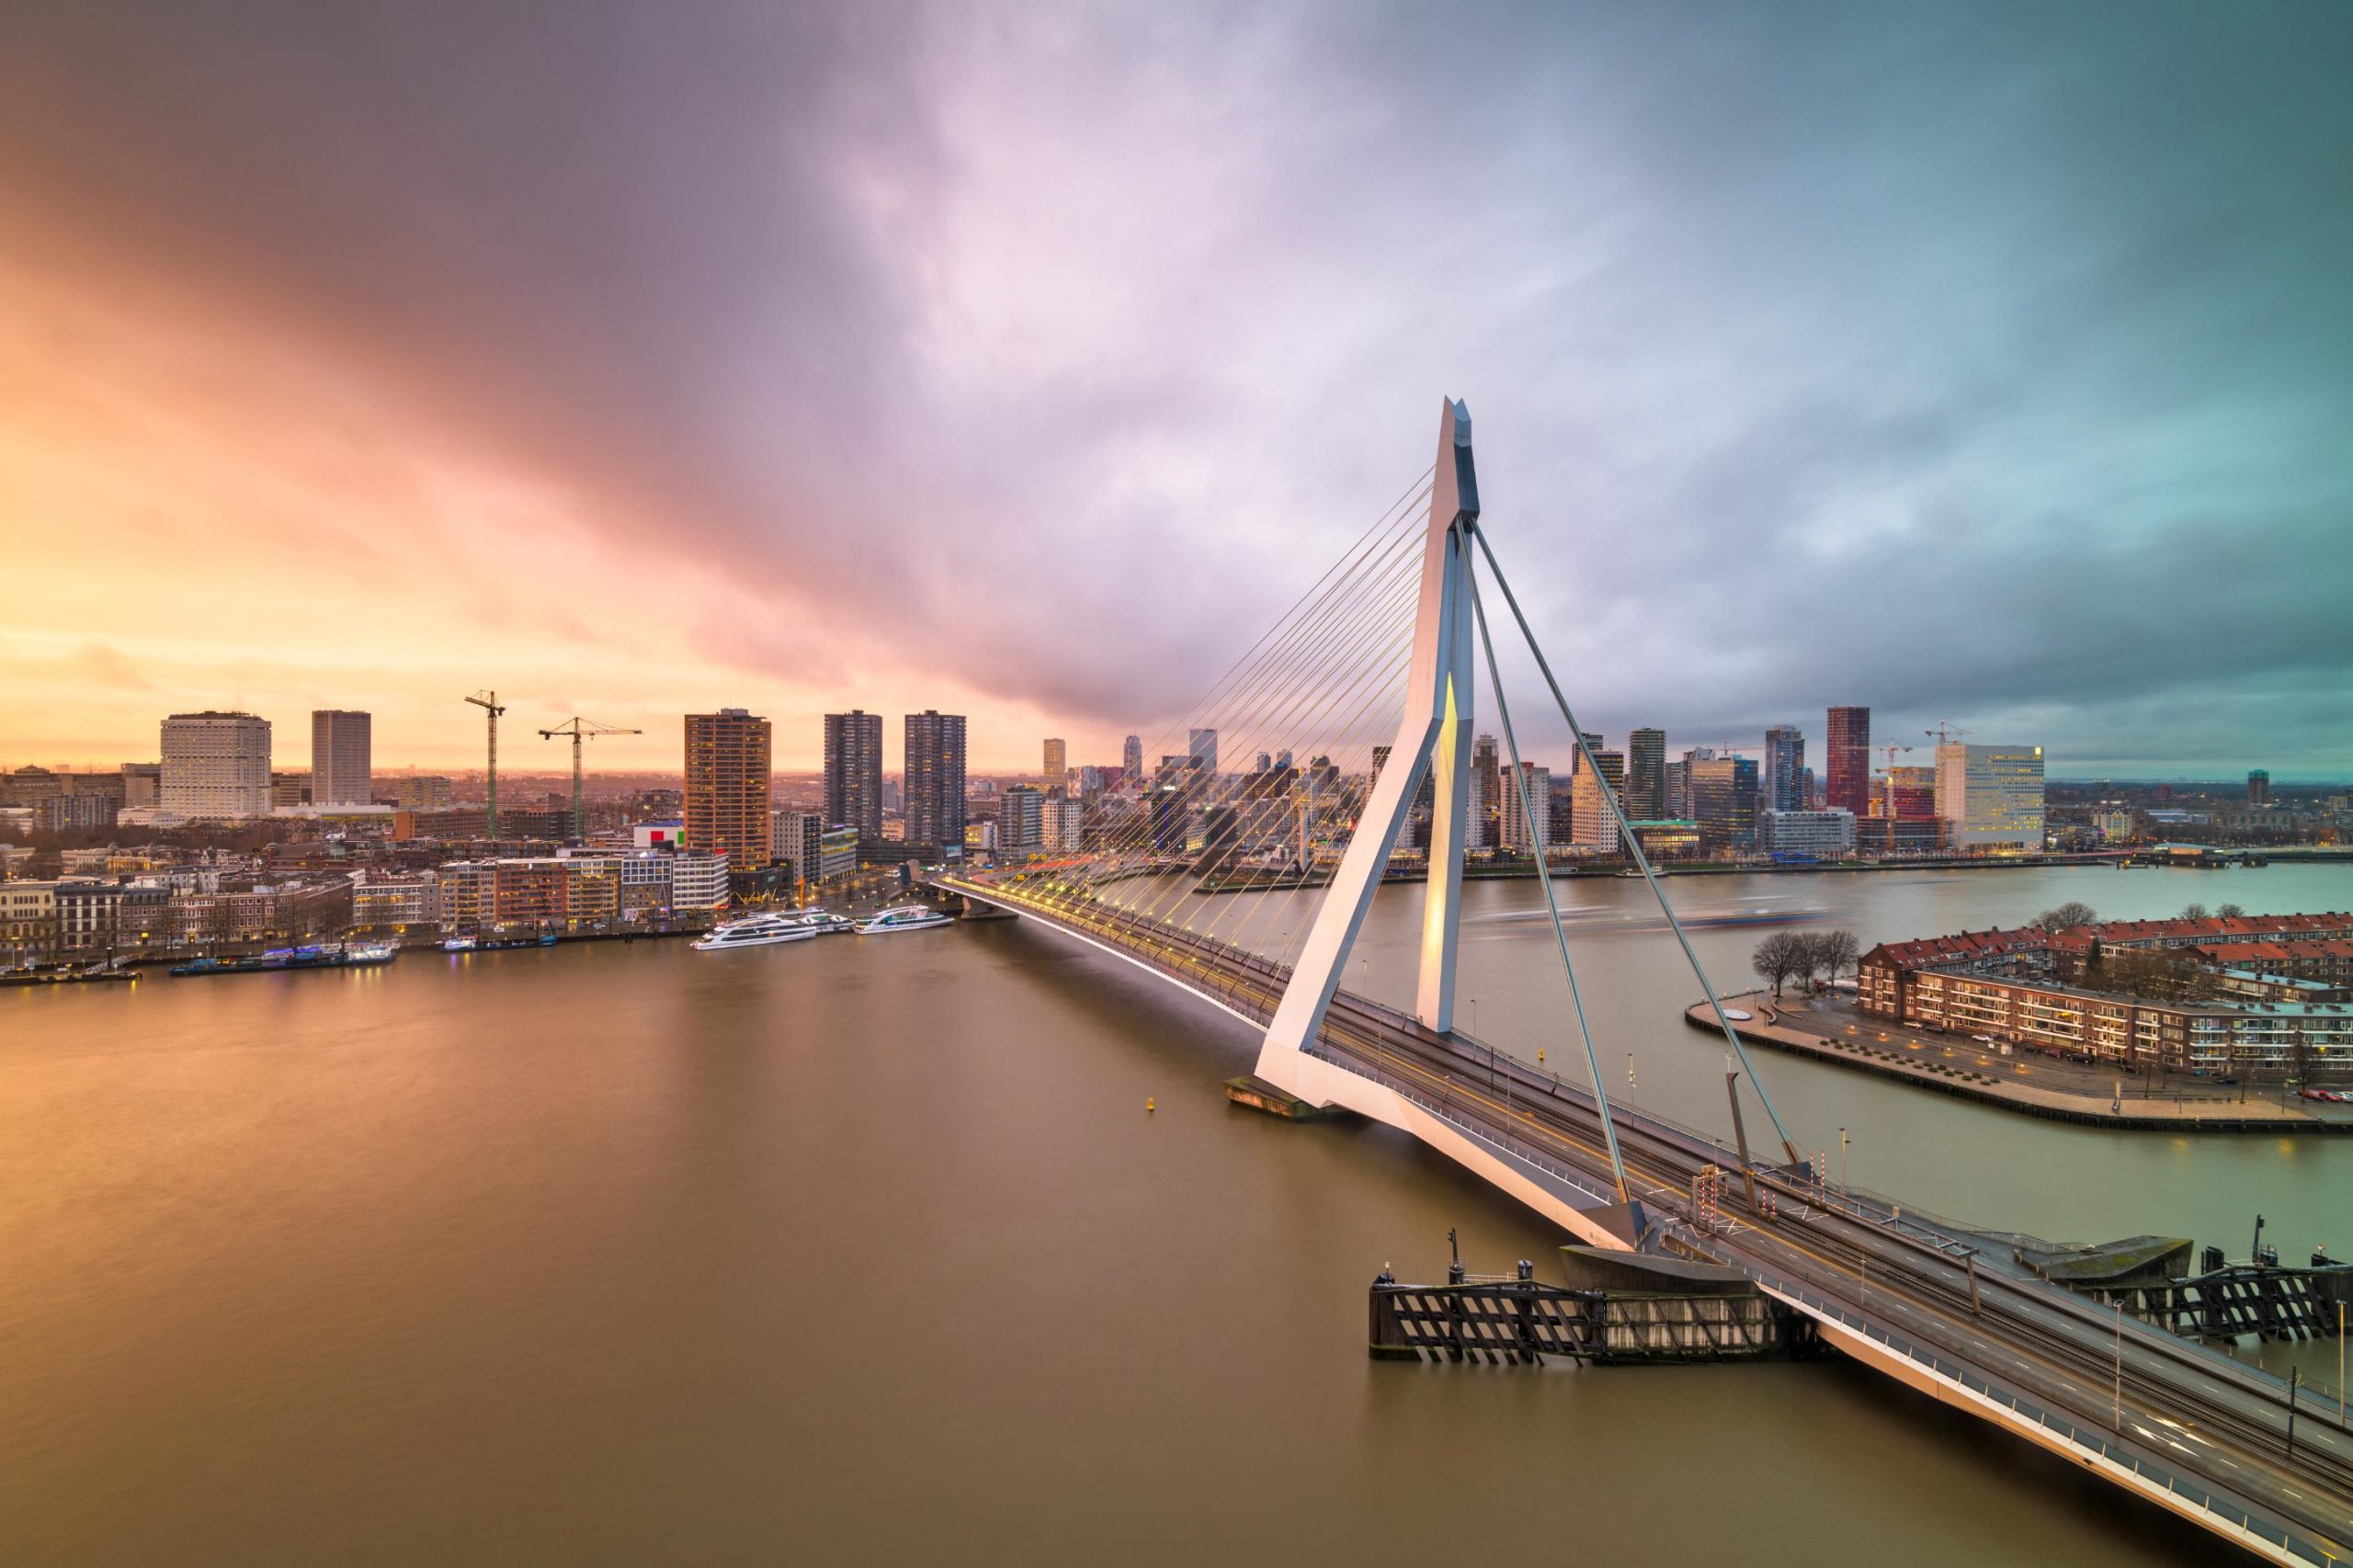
x=1946 y=1066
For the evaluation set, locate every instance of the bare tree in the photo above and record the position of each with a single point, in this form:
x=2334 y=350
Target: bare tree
x=2230 y=912
x=2193 y=912
x=1840 y=951
x=1779 y=957
x=2067 y=916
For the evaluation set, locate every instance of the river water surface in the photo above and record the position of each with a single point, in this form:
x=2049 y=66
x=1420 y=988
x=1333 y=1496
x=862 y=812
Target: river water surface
x=867 y=1251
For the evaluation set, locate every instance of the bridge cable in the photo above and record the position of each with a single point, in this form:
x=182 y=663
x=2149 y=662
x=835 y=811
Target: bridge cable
x=1633 y=844
x=1552 y=906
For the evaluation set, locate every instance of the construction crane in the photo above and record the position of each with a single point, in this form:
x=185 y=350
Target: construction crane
x=580 y=729
x=489 y=701
x=1944 y=732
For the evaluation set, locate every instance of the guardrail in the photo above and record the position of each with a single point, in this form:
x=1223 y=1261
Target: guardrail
x=2090 y=1440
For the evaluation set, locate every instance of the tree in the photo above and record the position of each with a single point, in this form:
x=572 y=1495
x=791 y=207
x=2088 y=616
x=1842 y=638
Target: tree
x=1779 y=957
x=1840 y=951
x=2193 y=912
x=2230 y=912
x=2067 y=916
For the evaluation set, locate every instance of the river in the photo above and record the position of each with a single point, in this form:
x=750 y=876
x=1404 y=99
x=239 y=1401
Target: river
x=867 y=1251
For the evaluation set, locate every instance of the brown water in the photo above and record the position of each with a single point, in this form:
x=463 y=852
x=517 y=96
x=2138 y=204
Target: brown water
x=867 y=1251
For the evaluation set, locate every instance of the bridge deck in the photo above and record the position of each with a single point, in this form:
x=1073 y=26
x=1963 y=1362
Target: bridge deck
x=2165 y=1417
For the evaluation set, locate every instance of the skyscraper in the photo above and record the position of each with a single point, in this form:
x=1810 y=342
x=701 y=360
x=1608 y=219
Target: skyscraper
x=1487 y=784
x=1645 y=775
x=1592 y=825
x=1057 y=765
x=342 y=758
x=1203 y=745
x=1782 y=788
x=727 y=788
x=1990 y=796
x=936 y=780
x=854 y=771
x=1724 y=802
x=2259 y=787
x=1849 y=749
x=1517 y=834
x=216 y=765
x=1132 y=761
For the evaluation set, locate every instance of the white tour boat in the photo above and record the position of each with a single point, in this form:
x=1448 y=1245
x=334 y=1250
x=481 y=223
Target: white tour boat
x=905 y=918
x=756 y=931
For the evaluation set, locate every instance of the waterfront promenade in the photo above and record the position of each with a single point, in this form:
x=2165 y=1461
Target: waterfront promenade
x=1832 y=1031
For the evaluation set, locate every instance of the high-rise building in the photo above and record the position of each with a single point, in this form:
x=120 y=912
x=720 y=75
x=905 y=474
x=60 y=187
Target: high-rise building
x=1201 y=744
x=936 y=780
x=143 y=783
x=1516 y=834
x=1021 y=821
x=727 y=788
x=2259 y=787
x=1645 y=775
x=1066 y=825
x=1782 y=786
x=1057 y=765
x=854 y=771
x=215 y=765
x=1486 y=799
x=1132 y=759
x=1592 y=825
x=342 y=758
x=1724 y=802
x=1849 y=757
x=1990 y=796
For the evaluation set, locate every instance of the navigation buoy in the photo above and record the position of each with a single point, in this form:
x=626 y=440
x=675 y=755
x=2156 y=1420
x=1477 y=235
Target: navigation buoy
x=1539 y=1054
x=1148 y=1104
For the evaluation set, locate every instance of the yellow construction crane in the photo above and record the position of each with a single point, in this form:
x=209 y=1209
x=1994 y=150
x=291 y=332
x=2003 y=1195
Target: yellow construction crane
x=489 y=699
x=580 y=729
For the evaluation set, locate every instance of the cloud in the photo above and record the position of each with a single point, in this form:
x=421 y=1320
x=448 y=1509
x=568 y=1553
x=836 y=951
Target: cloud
x=1992 y=364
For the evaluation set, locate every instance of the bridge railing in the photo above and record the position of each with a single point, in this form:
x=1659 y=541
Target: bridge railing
x=2091 y=1439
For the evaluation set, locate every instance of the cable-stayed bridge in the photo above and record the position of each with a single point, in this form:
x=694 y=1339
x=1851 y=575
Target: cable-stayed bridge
x=1361 y=699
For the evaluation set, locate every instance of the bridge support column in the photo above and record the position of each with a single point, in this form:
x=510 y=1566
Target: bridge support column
x=1433 y=742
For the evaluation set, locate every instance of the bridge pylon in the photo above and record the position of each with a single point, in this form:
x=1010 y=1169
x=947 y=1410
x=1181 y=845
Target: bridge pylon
x=1433 y=740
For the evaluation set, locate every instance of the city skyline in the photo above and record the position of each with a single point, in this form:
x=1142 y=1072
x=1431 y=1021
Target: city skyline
x=325 y=373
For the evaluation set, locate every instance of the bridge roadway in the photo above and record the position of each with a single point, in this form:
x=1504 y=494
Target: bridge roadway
x=2165 y=1417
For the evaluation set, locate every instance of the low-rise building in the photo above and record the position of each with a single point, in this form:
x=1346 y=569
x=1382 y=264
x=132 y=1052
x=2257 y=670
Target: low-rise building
x=397 y=903
x=1816 y=834
x=699 y=879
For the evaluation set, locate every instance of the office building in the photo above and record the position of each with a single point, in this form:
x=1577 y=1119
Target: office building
x=1132 y=759
x=61 y=814
x=1782 y=786
x=699 y=879
x=1990 y=796
x=819 y=851
x=935 y=810
x=1065 y=823
x=2259 y=787
x=143 y=784
x=1816 y=834
x=1849 y=750
x=215 y=765
x=290 y=790
x=1486 y=797
x=1021 y=821
x=1592 y=823
x=1201 y=746
x=342 y=758
x=727 y=787
x=854 y=771
x=1645 y=775
x=1057 y=765
x=1724 y=802
x=1517 y=833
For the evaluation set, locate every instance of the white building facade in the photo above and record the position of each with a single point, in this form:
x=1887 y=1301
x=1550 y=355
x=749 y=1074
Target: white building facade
x=1990 y=796
x=216 y=765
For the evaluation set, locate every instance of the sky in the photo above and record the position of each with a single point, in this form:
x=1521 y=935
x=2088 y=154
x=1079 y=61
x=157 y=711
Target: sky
x=1983 y=363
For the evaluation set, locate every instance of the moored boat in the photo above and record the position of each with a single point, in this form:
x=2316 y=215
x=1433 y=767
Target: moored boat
x=905 y=918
